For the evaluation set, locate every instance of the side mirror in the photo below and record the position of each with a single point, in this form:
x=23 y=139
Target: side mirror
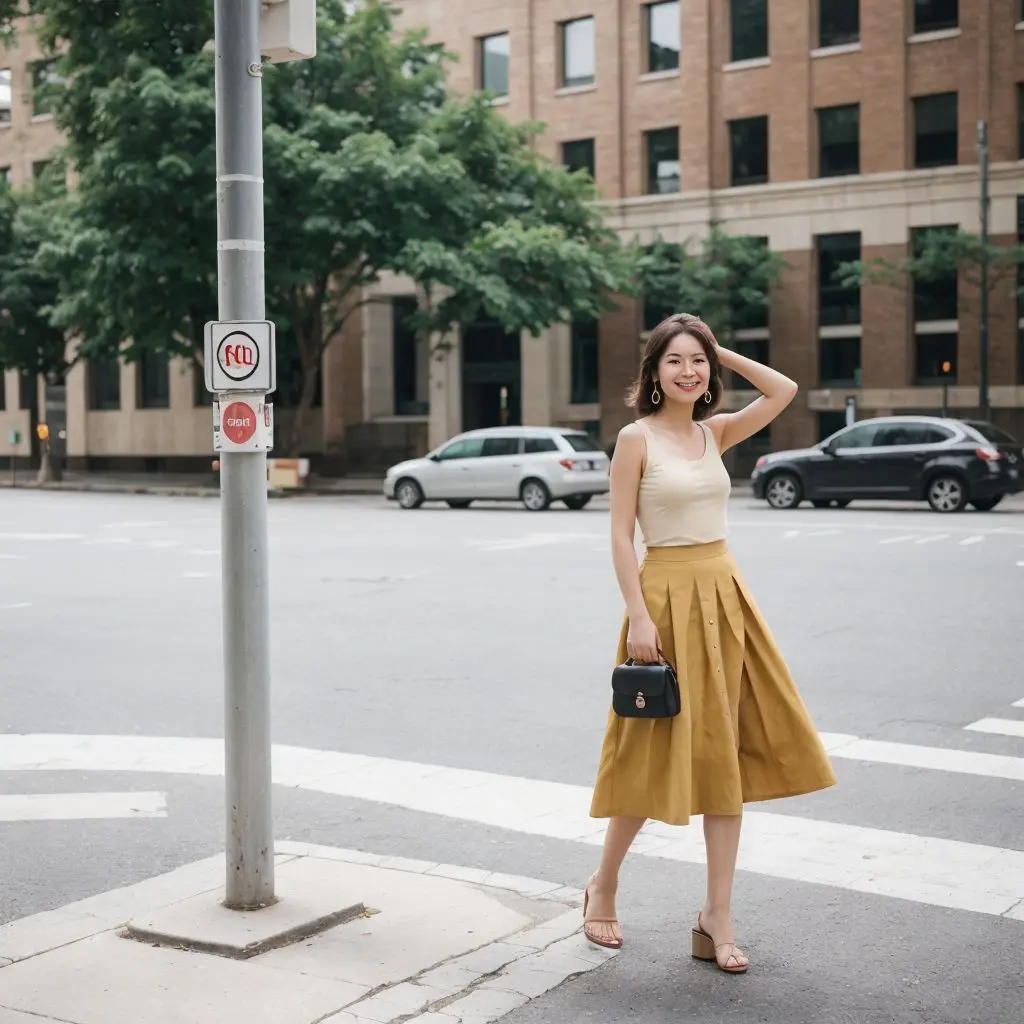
x=434 y=457
x=830 y=448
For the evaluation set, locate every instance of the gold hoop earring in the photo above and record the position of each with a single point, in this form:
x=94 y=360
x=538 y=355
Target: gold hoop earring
x=655 y=395
x=707 y=396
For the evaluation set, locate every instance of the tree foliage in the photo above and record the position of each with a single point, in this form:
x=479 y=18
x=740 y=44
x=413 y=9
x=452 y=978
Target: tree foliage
x=942 y=254
x=725 y=279
x=370 y=165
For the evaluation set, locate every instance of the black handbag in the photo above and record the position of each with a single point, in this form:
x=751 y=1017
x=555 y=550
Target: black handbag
x=645 y=691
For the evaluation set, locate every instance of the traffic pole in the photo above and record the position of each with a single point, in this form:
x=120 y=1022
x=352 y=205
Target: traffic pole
x=983 y=317
x=244 y=562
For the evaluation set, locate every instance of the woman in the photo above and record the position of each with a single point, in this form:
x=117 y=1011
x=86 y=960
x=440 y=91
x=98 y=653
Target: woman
x=743 y=734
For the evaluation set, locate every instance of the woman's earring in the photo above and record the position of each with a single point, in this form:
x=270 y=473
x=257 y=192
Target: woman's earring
x=707 y=396
x=655 y=395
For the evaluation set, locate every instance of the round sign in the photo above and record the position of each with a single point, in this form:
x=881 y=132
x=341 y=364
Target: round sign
x=238 y=355
x=239 y=422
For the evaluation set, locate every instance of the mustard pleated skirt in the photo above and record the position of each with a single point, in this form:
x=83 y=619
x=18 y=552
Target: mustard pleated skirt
x=743 y=735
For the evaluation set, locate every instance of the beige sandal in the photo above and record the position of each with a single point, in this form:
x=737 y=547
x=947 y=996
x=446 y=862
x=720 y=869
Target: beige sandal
x=596 y=939
x=704 y=948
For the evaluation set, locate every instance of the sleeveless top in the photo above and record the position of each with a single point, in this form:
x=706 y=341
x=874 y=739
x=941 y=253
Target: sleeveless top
x=680 y=500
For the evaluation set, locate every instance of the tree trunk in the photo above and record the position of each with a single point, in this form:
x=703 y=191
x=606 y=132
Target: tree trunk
x=303 y=409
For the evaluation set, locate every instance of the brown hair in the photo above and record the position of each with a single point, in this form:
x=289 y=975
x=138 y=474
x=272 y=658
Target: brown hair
x=639 y=395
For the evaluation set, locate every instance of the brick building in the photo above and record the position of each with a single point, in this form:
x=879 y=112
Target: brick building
x=835 y=129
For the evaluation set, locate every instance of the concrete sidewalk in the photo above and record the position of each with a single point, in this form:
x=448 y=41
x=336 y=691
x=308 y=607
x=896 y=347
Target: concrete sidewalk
x=419 y=943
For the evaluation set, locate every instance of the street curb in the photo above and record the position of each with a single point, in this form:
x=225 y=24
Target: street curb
x=190 y=491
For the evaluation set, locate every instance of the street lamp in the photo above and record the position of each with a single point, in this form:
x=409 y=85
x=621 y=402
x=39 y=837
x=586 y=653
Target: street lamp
x=983 y=326
x=946 y=367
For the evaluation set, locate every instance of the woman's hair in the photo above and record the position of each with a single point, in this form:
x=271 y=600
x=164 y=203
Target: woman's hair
x=639 y=395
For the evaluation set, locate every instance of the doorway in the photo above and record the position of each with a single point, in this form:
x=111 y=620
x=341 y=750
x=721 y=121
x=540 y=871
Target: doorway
x=491 y=377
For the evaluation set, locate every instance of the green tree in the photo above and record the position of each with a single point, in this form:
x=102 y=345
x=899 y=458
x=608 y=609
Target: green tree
x=369 y=166
x=725 y=279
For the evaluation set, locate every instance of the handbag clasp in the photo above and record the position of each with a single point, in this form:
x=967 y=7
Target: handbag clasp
x=640 y=702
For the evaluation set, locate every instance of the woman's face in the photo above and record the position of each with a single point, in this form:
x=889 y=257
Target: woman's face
x=683 y=373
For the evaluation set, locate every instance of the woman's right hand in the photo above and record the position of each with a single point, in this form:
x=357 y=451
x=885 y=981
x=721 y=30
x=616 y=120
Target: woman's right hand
x=642 y=641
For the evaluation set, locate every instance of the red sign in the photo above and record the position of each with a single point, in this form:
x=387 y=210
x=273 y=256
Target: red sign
x=238 y=356
x=239 y=422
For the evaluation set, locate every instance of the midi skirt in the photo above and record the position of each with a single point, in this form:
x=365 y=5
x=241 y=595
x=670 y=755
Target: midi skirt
x=743 y=734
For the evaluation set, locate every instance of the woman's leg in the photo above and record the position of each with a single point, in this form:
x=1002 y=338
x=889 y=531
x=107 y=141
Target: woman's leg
x=605 y=881
x=722 y=839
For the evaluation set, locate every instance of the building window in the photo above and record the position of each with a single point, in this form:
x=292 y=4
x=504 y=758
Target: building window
x=839 y=141
x=39 y=168
x=839 y=362
x=46 y=87
x=932 y=353
x=5 y=95
x=104 y=383
x=837 y=303
x=830 y=423
x=579 y=156
x=662 y=148
x=838 y=22
x=201 y=394
x=154 y=380
x=935 y=130
x=584 y=362
x=935 y=15
x=405 y=348
x=757 y=349
x=1020 y=121
x=3 y=388
x=664 y=35
x=749 y=150
x=494 y=59
x=5 y=175
x=28 y=391
x=935 y=298
x=749 y=29
x=578 y=52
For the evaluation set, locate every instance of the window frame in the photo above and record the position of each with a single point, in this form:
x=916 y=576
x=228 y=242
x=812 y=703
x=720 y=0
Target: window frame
x=919 y=103
x=102 y=371
x=922 y=8
x=482 y=42
x=652 y=179
x=40 y=87
x=824 y=114
x=591 y=166
x=943 y=293
x=649 y=51
x=749 y=180
x=936 y=380
x=159 y=364
x=738 y=13
x=841 y=36
x=829 y=344
x=584 y=347
x=826 y=248
x=564 y=30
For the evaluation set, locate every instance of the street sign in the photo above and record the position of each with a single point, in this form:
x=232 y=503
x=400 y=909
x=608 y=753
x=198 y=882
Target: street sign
x=239 y=355
x=243 y=423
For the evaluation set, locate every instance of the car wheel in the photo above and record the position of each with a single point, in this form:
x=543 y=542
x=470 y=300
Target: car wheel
x=535 y=495
x=408 y=493
x=986 y=504
x=947 y=493
x=577 y=502
x=459 y=504
x=784 y=491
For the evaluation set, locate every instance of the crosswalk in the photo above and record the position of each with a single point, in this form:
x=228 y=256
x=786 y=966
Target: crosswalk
x=906 y=865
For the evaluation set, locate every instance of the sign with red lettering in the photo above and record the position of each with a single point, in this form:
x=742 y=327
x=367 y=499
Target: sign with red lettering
x=239 y=356
x=238 y=422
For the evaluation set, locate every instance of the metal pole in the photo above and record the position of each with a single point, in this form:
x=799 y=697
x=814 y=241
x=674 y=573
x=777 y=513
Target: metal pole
x=983 y=326
x=246 y=609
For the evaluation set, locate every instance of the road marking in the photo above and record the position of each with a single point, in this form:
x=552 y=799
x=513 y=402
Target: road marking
x=205 y=551
x=81 y=806
x=971 y=540
x=850 y=523
x=790 y=534
x=898 y=540
x=902 y=865
x=824 y=533
x=14 y=607
x=13 y=558
x=934 y=537
x=136 y=524
x=40 y=536
x=1018 y=703
x=197 y=575
x=531 y=540
x=998 y=726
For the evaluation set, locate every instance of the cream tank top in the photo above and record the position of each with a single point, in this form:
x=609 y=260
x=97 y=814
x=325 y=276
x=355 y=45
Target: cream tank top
x=682 y=501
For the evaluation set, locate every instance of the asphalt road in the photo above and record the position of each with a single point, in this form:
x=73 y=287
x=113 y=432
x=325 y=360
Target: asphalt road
x=483 y=639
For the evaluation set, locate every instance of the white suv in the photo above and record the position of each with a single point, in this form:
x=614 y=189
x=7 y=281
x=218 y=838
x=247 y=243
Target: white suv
x=534 y=465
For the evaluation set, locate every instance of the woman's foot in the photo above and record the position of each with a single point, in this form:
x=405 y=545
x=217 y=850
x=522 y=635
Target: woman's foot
x=600 y=924
x=713 y=939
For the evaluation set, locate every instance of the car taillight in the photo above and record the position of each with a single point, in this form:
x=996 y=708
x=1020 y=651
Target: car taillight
x=760 y=462
x=566 y=463
x=988 y=454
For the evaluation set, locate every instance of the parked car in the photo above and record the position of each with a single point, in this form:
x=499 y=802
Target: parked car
x=534 y=465
x=948 y=463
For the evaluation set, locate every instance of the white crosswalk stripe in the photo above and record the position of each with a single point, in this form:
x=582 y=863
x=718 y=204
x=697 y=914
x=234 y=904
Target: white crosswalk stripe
x=925 y=869
x=80 y=806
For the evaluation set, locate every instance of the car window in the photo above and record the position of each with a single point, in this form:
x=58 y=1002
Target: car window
x=501 y=446
x=537 y=445
x=862 y=435
x=990 y=432
x=466 y=448
x=910 y=433
x=582 y=442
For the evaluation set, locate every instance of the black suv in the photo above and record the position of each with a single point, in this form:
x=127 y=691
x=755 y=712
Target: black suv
x=948 y=463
